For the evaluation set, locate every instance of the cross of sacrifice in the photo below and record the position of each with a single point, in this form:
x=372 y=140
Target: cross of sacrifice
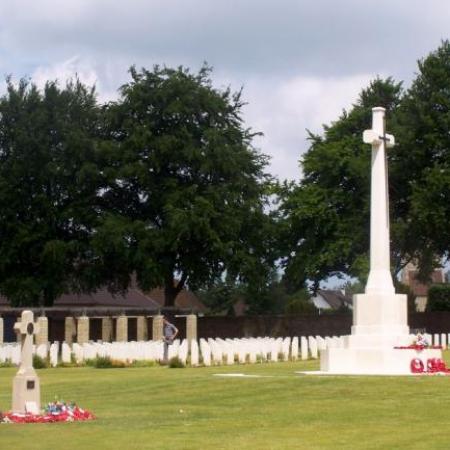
x=380 y=279
x=27 y=328
x=377 y=134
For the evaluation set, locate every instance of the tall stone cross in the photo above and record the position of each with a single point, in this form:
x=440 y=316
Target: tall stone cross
x=380 y=279
x=26 y=388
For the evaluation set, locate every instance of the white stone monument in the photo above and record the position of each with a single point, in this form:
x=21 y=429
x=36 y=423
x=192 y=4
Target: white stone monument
x=26 y=389
x=379 y=315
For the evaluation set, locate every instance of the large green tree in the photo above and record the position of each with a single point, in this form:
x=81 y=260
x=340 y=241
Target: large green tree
x=187 y=190
x=48 y=186
x=326 y=216
x=422 y=164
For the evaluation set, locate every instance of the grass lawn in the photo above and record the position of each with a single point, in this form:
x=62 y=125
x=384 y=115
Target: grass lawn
x=162 y=408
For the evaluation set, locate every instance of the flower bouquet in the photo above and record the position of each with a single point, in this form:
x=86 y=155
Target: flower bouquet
x=420 y=342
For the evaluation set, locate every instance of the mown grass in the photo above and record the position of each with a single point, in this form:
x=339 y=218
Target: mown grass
x=163 y=408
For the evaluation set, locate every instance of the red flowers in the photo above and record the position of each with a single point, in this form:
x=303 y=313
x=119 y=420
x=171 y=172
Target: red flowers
x=434 y=365
x=69 y=415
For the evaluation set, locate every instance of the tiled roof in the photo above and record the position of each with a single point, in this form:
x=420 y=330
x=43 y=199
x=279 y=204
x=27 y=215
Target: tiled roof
x=185 y=300
x=102 y=297
x=336 y=299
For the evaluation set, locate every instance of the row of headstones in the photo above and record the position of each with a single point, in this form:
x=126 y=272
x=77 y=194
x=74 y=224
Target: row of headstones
x=208 y=352
x=76 y=329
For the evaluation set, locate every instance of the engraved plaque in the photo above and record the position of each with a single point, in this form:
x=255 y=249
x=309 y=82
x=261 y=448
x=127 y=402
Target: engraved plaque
x=30 y=385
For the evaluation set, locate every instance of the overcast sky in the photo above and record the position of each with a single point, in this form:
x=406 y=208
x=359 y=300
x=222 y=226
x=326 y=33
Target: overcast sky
x=300 y=62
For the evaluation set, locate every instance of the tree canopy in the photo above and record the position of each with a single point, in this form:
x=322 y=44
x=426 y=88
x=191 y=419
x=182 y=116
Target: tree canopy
x=186 y=189
x=326 y=215
x=48 y=186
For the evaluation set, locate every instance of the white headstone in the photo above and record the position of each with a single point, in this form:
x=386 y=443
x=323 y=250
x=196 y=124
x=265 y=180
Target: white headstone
x=54 y=350
x=303 y=348
x=294 y=348
x=66 y=353
x=444 y=341
x=313 y=347
x=194 y=353
x=42 y=351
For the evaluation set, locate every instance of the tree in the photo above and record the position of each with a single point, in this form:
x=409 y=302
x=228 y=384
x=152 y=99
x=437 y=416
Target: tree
x=187 y=190
x=325 y=227
x=422 y=164
x=48 y=186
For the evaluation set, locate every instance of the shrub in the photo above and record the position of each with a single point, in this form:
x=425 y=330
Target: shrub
x=439 y=297
x=176 y=363
x=40 y=363
x=6 y=363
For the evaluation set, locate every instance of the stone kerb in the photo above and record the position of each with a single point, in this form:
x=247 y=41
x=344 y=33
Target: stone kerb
x=157 y=328
x=42 y=335
x=70 y=329
x=122 y=328
x=82 y=330
x=107 y=329
x=141 y=328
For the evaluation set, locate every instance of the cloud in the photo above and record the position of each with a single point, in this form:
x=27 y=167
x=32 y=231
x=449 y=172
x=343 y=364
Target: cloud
x=300 y=61
x=284 y=109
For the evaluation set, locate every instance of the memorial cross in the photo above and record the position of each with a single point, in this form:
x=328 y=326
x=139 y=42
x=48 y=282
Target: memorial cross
x=27 y=328
x=380 y=279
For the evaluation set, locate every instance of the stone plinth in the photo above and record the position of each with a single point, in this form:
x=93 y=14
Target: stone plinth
x=107 y=329
x=83 y=329
x=141 y=328
x=157 y=328
x=42 y=336
x=122 y=329
x=191 y=327
x=373 y=360
x=70 y=329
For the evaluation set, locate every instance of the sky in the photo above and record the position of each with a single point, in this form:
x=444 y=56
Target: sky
x=300 y=63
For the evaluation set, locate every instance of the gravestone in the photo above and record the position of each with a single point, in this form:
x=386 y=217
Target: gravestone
x=303 y=348
x=54 y=350
x=1 y=330
x=194 y=353
x=66 y=353
x=294 y=348
x=26 y=388
x=379 y=315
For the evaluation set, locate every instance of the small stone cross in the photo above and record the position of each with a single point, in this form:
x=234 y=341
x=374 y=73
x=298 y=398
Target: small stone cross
x=378 y=134
x=27 y=328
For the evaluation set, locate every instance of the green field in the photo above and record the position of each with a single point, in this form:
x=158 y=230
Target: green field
x=162 y=408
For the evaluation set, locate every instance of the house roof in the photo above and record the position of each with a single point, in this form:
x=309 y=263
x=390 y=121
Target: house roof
x=336 y=299
x=185 y=300
x=420 y=289
x=102 y=297
x=133 y=297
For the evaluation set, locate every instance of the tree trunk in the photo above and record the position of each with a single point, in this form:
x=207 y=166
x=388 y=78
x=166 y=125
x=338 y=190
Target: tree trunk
x=172 y=288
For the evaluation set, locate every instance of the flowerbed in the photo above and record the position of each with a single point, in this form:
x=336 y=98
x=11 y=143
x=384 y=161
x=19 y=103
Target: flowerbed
x=54 y=412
